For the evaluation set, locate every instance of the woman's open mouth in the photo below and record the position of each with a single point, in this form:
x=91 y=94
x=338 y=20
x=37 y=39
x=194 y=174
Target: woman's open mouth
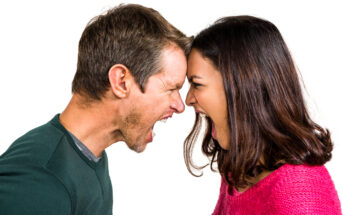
x=213 y=131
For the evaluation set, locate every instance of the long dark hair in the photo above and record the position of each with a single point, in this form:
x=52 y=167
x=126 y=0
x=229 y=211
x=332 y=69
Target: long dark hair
x=269 y=124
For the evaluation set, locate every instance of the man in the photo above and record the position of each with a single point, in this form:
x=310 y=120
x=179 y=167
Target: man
x=131 y=65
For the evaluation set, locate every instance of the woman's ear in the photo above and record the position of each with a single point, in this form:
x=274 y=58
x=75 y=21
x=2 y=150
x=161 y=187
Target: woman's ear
x=120 y=80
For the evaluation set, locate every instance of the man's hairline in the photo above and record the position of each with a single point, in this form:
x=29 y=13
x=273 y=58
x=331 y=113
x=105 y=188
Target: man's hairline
x=168 y=44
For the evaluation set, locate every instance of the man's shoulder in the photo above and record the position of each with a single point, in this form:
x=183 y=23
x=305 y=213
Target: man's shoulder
x=28 y=189
x=35 y=147
x=40 y=135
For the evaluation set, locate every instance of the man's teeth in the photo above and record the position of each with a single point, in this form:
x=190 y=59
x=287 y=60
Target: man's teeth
x=163 y=120
x=153 y=134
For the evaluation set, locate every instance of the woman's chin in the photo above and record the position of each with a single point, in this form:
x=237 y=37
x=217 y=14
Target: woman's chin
x=222 y=141
x=222 y=145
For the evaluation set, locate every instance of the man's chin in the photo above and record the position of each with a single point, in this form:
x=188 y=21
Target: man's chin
x=140 y=144
x=138 y=147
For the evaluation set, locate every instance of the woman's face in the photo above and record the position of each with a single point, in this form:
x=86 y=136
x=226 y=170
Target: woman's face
x=207 y=95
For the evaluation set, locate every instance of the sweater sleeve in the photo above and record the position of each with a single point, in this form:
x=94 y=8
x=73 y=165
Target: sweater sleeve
x=32 y=190
x=305 y=193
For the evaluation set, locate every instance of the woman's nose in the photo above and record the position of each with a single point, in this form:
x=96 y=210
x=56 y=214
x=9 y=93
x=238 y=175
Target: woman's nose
x=190 y=100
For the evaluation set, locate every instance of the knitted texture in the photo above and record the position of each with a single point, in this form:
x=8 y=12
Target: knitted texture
x=291 y=189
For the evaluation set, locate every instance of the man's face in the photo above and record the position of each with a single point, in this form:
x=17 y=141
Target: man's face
x=159 y=101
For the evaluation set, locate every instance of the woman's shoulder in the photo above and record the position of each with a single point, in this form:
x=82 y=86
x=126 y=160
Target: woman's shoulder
x=303 y=187
x=296 y=178
x=302 y=172
x=287 y=176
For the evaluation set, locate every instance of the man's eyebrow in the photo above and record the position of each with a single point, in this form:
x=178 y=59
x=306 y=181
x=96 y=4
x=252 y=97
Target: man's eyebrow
x=178 y=86
x=192 y=77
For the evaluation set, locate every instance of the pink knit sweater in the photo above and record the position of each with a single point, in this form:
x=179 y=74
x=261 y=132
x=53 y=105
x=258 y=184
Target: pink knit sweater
x=291 y=189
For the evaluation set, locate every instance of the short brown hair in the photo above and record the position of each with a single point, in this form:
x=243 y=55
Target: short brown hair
x=268 y=121
x=130 y=34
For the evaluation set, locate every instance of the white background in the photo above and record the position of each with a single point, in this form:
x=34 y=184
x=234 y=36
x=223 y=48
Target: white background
x=38 y=54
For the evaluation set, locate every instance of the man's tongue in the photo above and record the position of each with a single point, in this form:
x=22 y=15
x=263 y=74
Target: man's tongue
x=149 y=136
x=214 y=134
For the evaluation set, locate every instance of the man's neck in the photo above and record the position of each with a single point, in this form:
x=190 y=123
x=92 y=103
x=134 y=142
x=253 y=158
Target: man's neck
x=92 y=123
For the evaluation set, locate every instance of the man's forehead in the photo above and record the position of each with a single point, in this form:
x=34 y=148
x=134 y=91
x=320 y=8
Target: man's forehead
x=175 y=79
x=173 y=66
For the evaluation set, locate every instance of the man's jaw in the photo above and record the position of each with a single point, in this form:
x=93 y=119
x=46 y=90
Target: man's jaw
x=165 y=117
x=151 y=134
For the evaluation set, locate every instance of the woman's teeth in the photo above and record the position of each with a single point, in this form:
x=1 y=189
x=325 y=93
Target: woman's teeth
x=202 y=115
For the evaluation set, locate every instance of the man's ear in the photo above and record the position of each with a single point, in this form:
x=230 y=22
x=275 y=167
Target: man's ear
x=120 y=80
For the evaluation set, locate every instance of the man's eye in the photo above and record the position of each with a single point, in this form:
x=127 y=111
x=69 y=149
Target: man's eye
x=172 y=91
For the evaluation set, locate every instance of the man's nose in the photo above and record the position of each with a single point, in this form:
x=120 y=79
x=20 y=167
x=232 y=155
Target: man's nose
x=178 y=104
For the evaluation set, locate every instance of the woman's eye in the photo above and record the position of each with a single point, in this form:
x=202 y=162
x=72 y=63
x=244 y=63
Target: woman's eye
x=196 y=85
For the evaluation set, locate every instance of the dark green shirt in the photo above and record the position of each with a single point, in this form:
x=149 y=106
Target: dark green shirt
x=44 y=173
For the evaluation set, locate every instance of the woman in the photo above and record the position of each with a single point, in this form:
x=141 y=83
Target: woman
x=269 y=152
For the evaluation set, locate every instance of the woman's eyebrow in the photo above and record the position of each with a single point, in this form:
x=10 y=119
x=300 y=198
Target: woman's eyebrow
x=192 y=77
